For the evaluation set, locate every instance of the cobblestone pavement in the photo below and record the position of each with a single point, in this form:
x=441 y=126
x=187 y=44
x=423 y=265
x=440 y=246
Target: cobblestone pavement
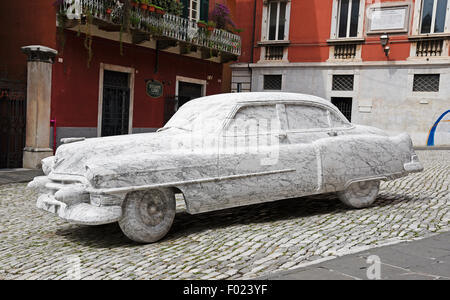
x=246 y=242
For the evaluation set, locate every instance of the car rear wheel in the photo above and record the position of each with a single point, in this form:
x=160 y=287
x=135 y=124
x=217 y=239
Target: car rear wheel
x=148 y=215
x=360 y=194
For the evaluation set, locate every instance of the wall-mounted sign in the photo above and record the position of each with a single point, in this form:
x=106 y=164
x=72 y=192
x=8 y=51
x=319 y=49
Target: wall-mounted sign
x=154 y=88
x=389 y=19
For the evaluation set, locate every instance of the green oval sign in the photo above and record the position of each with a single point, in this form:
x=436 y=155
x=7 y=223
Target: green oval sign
x=154 y=88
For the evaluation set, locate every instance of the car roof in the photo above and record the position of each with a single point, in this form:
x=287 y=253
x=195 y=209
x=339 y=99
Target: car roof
x=230 y=99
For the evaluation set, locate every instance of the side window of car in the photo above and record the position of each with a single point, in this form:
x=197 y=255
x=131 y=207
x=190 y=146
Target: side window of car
x=302 y=117
x=257 y=119
x=337 y=121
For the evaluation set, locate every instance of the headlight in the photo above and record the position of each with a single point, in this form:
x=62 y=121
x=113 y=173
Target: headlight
x=47 y=164
x=106 y=200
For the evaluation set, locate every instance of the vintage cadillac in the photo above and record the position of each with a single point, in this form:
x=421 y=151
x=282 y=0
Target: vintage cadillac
x=220 y=152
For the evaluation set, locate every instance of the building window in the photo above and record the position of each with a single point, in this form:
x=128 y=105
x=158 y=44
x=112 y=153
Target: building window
x=342 y=83
x=272 y=82
x=344 y=104
x=348 y=18
x=426 y=83
x=277 y=20
x=433 y=16
x=194 y=10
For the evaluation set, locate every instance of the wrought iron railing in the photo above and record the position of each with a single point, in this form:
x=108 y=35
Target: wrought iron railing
x=167 y=25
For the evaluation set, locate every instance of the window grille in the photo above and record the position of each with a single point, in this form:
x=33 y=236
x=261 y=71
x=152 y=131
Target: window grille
x=344 y=104
x=272 y=82
x=426 y=83
x=342 y=83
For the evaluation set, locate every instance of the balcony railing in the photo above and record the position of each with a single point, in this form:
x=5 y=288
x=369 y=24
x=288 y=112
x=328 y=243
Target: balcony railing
x=166 y=26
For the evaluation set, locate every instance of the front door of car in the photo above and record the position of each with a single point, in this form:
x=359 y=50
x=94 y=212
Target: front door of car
x=253 y=163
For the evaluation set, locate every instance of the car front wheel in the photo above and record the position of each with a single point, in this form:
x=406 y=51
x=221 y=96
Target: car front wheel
x=360 y=194
x=148 y=215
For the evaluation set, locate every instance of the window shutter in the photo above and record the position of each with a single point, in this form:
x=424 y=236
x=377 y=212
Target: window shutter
x=204 y=9
x=185 y=8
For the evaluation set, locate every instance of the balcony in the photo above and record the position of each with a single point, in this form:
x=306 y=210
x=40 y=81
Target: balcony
x=110 y=15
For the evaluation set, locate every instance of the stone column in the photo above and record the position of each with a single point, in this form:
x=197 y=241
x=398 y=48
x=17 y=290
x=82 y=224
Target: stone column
x=39 y=87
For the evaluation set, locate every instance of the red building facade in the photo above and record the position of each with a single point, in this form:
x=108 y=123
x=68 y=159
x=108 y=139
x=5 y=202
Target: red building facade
x=108 y=77
x=382 y=62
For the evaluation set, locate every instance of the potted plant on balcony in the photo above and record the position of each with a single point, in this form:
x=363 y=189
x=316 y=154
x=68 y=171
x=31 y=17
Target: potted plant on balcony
x=144 y=4
x=160 y=10
x=222 y=17
x=134 y=20
x=201 y=24
x=134 y=3
x=151 y=7
x=211 y=25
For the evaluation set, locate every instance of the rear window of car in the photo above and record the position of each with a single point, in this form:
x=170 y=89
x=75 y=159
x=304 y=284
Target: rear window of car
x=337 y=121
x=301 y=117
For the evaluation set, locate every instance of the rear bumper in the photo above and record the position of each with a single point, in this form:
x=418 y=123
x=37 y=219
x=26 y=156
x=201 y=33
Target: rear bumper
x=412 y=167
x=81 y=213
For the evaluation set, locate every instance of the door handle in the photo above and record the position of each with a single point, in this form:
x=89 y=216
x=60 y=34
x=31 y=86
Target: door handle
x=332 y=133
x=282 y=135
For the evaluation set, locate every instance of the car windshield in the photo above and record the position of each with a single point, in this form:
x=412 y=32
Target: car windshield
x=195 y=115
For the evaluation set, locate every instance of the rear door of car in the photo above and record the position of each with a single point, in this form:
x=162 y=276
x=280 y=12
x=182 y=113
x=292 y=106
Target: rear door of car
x=306 y=124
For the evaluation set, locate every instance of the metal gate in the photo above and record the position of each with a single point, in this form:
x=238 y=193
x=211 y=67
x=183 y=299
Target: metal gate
x=344 y=104
x=116 y=103
x=170 y=107
x=13 y=106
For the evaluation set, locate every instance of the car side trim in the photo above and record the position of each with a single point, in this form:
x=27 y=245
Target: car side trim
x=127 y=189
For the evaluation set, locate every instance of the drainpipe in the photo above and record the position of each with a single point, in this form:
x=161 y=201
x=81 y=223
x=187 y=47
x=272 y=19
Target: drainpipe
x=253 y=44
x=53 y=124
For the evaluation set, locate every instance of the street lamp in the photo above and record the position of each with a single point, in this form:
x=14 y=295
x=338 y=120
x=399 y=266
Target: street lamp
x=384 y=40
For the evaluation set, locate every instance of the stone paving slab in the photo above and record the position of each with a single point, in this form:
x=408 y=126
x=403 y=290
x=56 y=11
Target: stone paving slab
x=18 y=175
x=427 y=258
x=240 y=243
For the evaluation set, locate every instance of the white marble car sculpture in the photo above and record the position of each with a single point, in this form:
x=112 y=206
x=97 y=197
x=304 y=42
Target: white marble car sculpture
x=220 y=152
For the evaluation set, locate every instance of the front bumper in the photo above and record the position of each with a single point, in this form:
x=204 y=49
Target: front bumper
x=71 y=203
x=81 y=213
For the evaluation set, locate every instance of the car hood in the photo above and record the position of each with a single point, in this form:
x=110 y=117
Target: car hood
x=72 y=158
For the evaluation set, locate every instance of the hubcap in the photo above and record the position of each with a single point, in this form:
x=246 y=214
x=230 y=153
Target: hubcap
x=152 y=208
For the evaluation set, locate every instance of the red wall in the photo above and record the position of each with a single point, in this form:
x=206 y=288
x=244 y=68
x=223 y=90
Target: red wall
x=309 y=30
x=24 y=23
x=75 y=86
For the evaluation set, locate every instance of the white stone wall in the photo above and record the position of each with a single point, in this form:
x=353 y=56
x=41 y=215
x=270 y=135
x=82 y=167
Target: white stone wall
x=382 y=95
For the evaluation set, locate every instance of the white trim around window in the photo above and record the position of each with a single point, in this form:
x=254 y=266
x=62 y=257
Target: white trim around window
x=194 y=12
x=336 y=16
x=201 y=82
x=115 y=68
x=266 y=22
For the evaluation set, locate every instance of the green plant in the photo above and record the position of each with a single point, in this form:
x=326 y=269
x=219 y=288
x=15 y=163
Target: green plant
x=135 y=20
x=62 y=19
x=88 y=38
